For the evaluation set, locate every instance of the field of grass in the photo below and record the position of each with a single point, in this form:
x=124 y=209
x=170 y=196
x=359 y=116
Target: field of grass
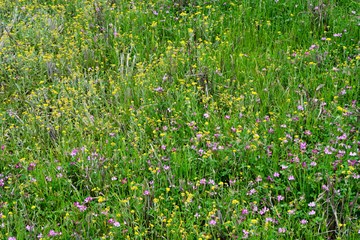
x=179 y=119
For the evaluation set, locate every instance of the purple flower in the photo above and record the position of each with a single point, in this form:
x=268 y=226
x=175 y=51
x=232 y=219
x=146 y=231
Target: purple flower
x=116 y=224
x=291 y=177
x=307 y=132
x=304 y=221
x=206 y=115
x=300 y=108
x=312 y=212
x=197 y=215
x=276 y=174
x=280 y=198
x=282 y=230
x=212 y=222
x=312 y=204
x=146 y=192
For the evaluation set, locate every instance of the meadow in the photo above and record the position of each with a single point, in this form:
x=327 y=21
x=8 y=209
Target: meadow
x=179 y=119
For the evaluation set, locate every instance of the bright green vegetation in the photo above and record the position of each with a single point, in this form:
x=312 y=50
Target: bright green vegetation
x=179 y=119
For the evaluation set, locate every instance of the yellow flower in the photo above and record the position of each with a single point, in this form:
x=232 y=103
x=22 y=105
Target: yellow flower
x=235 y=202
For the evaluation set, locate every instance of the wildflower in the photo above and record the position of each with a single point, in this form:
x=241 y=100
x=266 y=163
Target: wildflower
x=282 y=230
x=116 y=224
x=307 y=132
x=212 y=222
x=197 y=215
x=146 y=192
x=29 y=228
x=312 y=204
x=280 y=198
x=246 y=233
x=291 y=177
x=300 y=108
x=227 y=117
x=11 y=238
x=303 y=221
x=206 y=115
x=312 y=212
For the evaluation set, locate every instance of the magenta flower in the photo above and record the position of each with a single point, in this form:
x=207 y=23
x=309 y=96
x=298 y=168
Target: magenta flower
x=312 y=212
x=282 y=230
x=291 y=177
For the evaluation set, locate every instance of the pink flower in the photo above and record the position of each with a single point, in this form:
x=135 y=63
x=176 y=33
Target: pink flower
x=212 y=222
x=312 y=204
x=291 y=177
x=282 y=230
x=312 y=212
x=206 y=115
x=304 y=221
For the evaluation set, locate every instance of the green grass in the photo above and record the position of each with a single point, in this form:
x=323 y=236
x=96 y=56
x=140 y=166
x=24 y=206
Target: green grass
x=168 y=119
